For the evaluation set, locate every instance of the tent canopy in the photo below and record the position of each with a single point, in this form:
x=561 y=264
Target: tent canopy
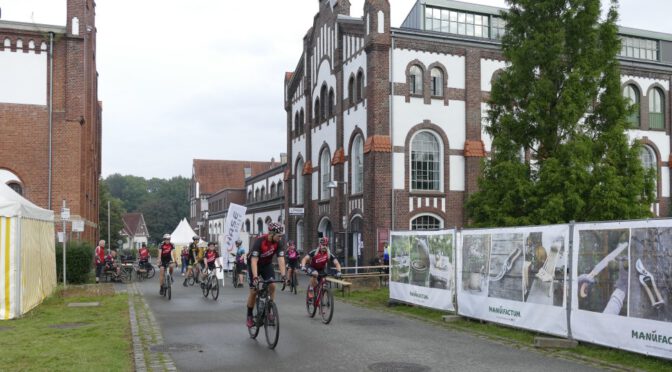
x=14 y=205
x=183 y=234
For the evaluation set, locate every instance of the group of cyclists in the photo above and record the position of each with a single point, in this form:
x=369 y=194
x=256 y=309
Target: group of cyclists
x=257 y=263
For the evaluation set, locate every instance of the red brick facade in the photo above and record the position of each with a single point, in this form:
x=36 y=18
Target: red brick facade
x=76 y=119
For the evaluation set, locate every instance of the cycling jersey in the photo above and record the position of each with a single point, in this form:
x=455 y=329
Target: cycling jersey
x=211 y=256
x=240 y=256
x=319 y=259
x=292 y=255
x=193 y=253
x=166 y=249
x=100 y=255
x=144 y=254
x=199 y=254
x=264 y=250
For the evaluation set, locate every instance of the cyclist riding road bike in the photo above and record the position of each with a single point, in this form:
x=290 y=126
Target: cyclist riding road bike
x=241 y=262
x=261 y=263
x=165 y=249
x=193 y=252
x=319 y=258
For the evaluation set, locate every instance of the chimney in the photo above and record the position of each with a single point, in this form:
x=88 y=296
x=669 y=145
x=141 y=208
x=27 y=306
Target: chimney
x=283 y=158
x=272 y=162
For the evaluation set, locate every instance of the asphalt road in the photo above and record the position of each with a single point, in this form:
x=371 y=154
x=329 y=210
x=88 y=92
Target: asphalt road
x=207 y=335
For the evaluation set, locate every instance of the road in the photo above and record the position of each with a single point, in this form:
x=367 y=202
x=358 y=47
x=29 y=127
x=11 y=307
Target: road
x=207 y=335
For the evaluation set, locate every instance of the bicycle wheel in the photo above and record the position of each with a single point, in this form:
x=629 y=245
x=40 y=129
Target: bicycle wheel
x=310 y=306
x=295 y=282
x=254 y=330
x=326 y=305
x=214 y=291
x=169 y=292
x=272 y=325
x=190 y=280
x=150 y=272
x=205 y=285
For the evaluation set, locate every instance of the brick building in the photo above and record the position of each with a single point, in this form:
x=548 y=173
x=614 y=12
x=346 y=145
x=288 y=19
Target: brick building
x=50 y=116
x=395 y=116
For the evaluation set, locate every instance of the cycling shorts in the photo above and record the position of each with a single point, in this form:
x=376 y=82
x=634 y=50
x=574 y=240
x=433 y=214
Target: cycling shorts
x=293 y=264
x=166 y=261
x=265 y=272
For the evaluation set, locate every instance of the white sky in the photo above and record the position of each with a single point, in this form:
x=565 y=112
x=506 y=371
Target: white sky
x=204 y=78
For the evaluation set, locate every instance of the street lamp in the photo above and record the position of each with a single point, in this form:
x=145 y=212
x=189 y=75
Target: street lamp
x=333 y=185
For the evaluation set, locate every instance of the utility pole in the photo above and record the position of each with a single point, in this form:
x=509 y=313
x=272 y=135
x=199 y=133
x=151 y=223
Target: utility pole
x=65 y=216
x=109 y=242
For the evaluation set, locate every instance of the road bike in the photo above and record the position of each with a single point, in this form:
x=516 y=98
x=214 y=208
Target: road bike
x=322 y=299
x=235 y=279
x=265 y=314
x=211 y=284
x=293 y=282
x=194 y=274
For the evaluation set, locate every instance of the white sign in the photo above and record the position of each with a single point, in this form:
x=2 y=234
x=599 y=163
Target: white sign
x=232 y=226
x=78 y=225
x=296 y=211
x=515 y=276
x=60 y=237
x=422 y=268
x=65 y=213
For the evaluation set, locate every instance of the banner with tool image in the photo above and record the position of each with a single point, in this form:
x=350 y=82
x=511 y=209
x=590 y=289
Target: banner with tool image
x=515 y=276
x=422 y=268
x=622 y=285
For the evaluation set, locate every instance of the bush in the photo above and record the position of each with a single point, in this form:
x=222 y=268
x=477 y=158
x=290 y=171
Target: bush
x=154 y=251
x=79 y=261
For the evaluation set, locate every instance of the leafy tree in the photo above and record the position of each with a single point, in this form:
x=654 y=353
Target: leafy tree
x=558 y=119
x=116 y=213
x=132 y=190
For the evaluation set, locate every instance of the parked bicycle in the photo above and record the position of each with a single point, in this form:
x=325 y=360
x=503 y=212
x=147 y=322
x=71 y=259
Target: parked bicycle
x=265 y=314
x=144 y=271
x=211 y=284
x=322 y=298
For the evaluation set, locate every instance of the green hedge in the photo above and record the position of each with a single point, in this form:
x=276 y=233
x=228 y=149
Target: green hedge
x=79 y=261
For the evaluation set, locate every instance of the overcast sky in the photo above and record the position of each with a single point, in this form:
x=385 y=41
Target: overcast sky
x=204 y=78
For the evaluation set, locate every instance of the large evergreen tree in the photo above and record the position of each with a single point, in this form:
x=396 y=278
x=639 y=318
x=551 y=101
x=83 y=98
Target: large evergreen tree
x=557 y=119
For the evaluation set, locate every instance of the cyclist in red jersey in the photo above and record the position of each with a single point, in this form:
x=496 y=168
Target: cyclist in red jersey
x=211 y=256
x=261 y=263
x=165 y=250
x=144 y=257
x=292 y=258
x=319 y=258
x=100 y=259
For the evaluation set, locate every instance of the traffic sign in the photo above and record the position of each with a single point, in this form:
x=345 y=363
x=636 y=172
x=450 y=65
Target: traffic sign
x=296 y=211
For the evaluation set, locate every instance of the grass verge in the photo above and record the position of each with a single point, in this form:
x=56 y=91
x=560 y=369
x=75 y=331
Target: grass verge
x=379 y=299
x=92 y=339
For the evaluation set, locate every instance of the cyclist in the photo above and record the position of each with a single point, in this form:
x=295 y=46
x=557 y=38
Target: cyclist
x=165 y=251
x=112 y=266
x=261 y=263
x=193 y=253
x=241 y=263
x=144 y=257
x=292 y=259
x=319 y=258
x=210 y=258
x=200 y=266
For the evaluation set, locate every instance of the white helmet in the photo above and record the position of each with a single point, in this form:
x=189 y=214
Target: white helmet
x=166 y=236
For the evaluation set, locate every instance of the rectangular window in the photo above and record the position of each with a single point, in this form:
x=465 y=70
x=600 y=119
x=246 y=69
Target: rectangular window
x=638 y=48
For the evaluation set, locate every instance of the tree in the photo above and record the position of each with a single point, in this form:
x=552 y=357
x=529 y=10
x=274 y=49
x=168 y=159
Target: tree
x=132 y=190
x=557 y=119
x=117 y=212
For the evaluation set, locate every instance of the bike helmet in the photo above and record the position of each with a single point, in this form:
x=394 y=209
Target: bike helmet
x=324 y=241
x=196 y=237
x=166 y=236
x=276 y=228
x=239 y=242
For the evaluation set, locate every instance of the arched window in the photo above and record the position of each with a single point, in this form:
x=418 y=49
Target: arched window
x=357 y=164
x=656 y=109
x=272 y=191
x=256 y=195
x=16 y=187
x=360 y=86
x=281 y=191
x=425 y=222
x=299 y=181
x=351 y=90
x=260 y=226
x=650 y=162
x=296 y=124
x=325 y=173
x=302 y=121
x=299 y=236
x=415 y=80
x=317 y=110
x=437 y=82
x=249 y=196
x=631 y=93
x=323 y=99
x=247 y=225
x=331 y=103
x=263 y=192
x=425 y=162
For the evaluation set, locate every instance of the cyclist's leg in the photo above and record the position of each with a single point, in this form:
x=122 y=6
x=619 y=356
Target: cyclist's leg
x=162 y=268
x=251 y=298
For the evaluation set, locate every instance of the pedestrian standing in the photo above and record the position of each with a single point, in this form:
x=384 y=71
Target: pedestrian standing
x=100 y=259
x=185 y=259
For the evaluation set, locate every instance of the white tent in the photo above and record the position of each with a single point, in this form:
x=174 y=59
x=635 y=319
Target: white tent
x=27 y=254
x=183 y=234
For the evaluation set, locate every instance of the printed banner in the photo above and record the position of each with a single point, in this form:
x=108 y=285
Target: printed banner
x=515 y=276
x=622 y=285
x=232 y=226
x=422 y=268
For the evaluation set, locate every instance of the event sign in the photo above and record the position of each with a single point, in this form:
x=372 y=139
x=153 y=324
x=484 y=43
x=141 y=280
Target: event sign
x=422 y=268
x=232 y=226
x=515 y=276
x=622 y=285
